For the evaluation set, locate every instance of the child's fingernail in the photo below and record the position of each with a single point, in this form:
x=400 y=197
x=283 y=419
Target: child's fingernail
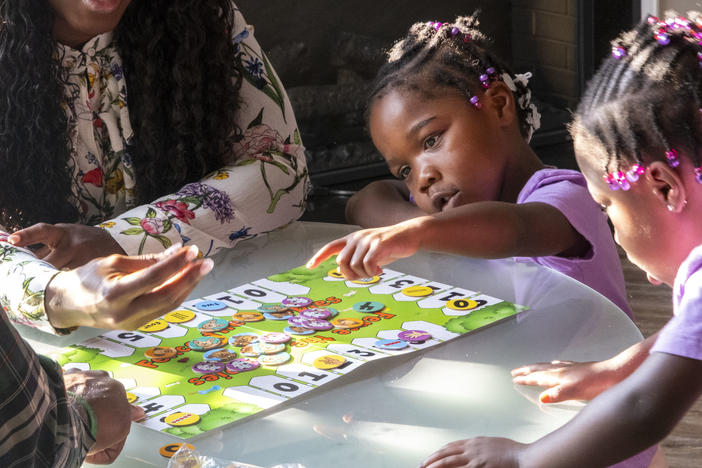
x=206 y=267
x=192 y=252
x=13 y=239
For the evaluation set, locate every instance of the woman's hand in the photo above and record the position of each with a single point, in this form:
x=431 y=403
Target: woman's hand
x=362 y=254
x=120 y=292
x=114 y=414
x=67 y=245
x=481 y=452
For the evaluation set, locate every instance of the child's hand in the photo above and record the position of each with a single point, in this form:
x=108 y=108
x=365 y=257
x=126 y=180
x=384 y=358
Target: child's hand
x=362 y=253
x=568 y=380
x=481 y=452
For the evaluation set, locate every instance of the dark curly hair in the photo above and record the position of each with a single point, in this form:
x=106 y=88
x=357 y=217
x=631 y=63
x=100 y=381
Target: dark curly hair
x=450 y=54
x=183 y=85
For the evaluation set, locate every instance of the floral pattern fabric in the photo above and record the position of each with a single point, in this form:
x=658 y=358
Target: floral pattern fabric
x=264 y=190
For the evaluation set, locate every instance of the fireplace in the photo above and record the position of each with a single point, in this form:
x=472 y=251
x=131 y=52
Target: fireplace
x=327 y=53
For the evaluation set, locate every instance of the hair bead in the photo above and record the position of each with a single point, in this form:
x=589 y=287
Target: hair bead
x=476 y=102
x=672 y=157
x=698 y=174
x=618 y=52
x=455 y=31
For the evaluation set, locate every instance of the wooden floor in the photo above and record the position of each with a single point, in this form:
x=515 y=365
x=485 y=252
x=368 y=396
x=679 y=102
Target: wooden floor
x=652 y=306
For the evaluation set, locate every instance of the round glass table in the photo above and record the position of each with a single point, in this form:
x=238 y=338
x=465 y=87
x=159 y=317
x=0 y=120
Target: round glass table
x=396 y=411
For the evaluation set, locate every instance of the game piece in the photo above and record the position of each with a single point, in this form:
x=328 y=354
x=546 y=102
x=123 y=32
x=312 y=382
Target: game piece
x=251 y=350
x=333 y=311
x=347 y=322
x=329 y=361
x=391 y=344
x=131 y=398
x=248 y=316
x=368 y=307
x=273 y=308
x=212 y=325
x=462 y=304
x=293 y=330
x=370 y=280
x=269 y=348
x=170 y=449
x=242 y=365
x=179 y=316
x=208 y=367
x=335 y=274
x=297 y=301
x=316 y=313
x=181 y=419
x=154 y=326
x=220 y=355
x=274 y=359
x=275 y=337
x=160 y=352
x=210 y=306
x=315 y=324
x=417 y=291
x=206 y=343
x=414 y=336
x=297 y=321
x=242 y=339
x=284 y=315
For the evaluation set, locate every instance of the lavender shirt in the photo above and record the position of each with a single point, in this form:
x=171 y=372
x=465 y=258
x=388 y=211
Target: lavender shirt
x=566 y=190
x=682 y=335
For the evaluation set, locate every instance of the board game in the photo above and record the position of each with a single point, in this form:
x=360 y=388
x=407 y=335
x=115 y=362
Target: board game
x=227 y=356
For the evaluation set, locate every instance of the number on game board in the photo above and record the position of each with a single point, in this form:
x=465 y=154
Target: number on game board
x=361 y=353
x=401 y=282
x=286 y=387
x=314 y=377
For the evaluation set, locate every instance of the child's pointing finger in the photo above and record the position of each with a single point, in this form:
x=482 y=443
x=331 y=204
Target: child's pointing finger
x=332 y=248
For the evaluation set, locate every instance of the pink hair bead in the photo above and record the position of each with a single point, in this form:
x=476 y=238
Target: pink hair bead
x=467 y=38
x=438 y=25
x=698 y=174
x=621 y=180
x=662 y=38
x=618 y=52
x=672 y=157
x=609 y=179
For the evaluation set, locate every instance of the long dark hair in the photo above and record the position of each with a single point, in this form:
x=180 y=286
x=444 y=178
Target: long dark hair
x=183 y=85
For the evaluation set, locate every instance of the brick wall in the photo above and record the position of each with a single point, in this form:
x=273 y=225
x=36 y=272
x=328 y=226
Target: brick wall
x=544 y=35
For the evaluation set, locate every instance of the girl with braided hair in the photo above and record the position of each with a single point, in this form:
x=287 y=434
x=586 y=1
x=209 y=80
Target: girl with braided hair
x=453 y=123
x=638 y=141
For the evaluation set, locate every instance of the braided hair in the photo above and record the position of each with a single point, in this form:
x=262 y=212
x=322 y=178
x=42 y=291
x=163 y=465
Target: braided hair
x=645 y=99
x=449 y=55
x=183 y=84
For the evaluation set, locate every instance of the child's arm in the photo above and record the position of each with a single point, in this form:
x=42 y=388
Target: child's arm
x=481 y=229
x=621 y=422
x=567 y=380
x=381 y=203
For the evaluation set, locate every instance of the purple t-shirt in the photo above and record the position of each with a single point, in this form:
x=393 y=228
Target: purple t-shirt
x=566 y=190
x=682 y=335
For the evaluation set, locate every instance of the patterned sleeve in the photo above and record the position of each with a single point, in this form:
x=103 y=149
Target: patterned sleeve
x=264 y=190
x=42 y=425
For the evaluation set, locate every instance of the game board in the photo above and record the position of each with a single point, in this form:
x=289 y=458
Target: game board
x=187 y=392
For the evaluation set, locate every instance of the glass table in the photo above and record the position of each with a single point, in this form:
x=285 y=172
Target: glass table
x=396 y=411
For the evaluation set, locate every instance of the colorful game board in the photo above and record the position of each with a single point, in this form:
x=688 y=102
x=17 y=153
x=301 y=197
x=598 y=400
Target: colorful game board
x=224 y=357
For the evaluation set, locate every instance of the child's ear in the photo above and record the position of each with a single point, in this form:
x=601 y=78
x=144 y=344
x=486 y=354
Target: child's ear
x=499 y=98
x=667 y=186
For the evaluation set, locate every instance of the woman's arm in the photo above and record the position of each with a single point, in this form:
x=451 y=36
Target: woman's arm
x=263 y=190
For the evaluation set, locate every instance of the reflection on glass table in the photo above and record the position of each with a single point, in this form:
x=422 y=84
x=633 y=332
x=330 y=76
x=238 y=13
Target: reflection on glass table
x=395 y=411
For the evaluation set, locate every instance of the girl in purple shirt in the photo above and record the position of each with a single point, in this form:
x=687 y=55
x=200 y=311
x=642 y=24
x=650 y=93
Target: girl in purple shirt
x=638 y=140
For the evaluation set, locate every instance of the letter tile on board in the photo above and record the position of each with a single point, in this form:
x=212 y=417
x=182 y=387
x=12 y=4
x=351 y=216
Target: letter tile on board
x=396 y=284
x=439 y=300
x=357 y=352
x=279 y=385
x=253 y=396
x=109 y=348
x=257 y=293
x=306 y=374
x=283 y=287
x=132 y=338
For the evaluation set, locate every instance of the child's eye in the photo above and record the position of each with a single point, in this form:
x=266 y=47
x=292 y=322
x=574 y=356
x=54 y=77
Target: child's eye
x=431 y=142
x=403 y=172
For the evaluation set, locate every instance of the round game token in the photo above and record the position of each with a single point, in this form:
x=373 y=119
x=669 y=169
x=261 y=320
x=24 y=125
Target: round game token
x=333 y=311
x=131 y=398
x=417 y=291
x=274 y=359
x=169 y=450
x=330 y=361
x=242 y=339
x=335 y=273
x=181 y=419
x=275 y=337
x=269 y=348
x=208 y=367
x=248 y=316
x=242 y=365
x=297 y=301
x=283 y=315
x=219 y=355
x=272 y=308
x=316 y=324
x=212 y=325
x=370 y=280
x=316 y=313
x=298 y=321
x=160 y=352
x=390 y=344
x=293 y=330
x=251 y=350
x=210 y=305
x=461 y=304
x=347 y=322
x=414 y=336
x=154 y=326
x=368 y=306
x=206 y=343
x=179 y=316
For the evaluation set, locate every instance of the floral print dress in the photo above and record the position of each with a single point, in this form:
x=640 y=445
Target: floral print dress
x=264 y=190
